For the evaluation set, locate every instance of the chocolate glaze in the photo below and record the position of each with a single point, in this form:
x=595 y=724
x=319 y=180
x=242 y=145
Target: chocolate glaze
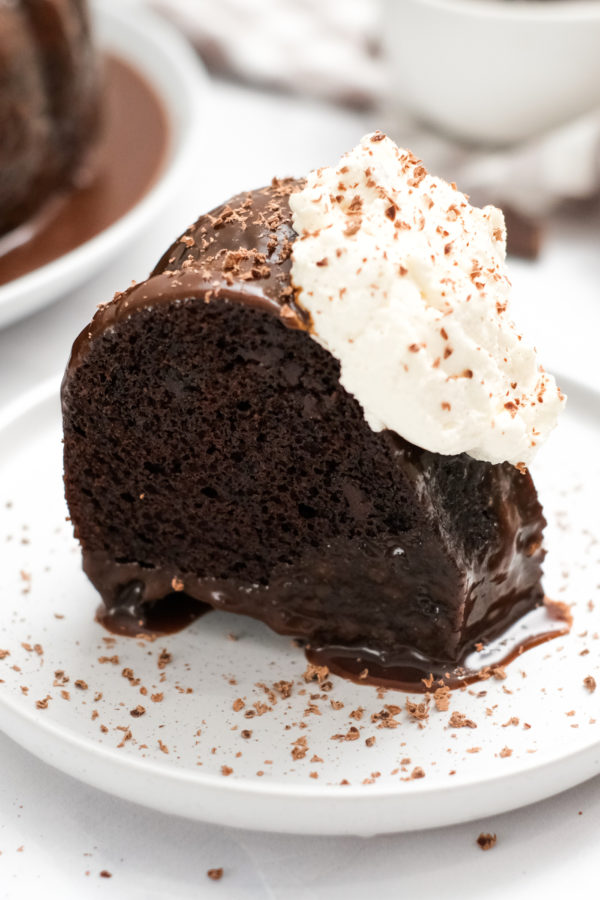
x=428 y=554
x=404 y=668
x=169 y=614
x=408 y=670
x=124 y=169
x=197 y=265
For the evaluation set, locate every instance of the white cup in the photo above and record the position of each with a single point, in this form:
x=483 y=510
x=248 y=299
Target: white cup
x=493 y=72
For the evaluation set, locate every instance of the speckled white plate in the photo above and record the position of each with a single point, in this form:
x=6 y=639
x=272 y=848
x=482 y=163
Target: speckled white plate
x=168 y=63
x=192 y=752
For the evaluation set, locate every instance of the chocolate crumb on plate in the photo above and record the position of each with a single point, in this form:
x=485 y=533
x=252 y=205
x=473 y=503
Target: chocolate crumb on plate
x=459 y=720
x=441 y=698
x=316 y=673
x=164 y=658
x=486 y=841
x=215 y=874
x=417 y=711
x=558 y=610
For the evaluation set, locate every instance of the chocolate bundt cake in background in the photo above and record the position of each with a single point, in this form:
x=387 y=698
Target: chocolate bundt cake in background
x=49 y=102
x=211 y=450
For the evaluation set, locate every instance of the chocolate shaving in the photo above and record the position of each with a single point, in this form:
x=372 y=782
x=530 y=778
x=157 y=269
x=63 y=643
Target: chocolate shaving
x=486 y=841
x=215 y=874
x=459 y=720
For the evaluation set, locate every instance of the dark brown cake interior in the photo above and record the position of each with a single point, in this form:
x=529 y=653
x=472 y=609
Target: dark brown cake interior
x=210 y=448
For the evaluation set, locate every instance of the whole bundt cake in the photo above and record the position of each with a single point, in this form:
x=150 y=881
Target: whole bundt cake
x=49 y=102
x=213 y=448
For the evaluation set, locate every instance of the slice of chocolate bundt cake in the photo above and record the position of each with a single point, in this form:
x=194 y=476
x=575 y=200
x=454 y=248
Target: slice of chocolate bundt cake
x=211 y=449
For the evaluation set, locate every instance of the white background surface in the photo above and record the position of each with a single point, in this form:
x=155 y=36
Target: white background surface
x=548 y=848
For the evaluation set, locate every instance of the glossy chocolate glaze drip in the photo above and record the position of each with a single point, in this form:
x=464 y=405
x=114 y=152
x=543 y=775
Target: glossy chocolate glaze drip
x=386 y=549
x=240 y=252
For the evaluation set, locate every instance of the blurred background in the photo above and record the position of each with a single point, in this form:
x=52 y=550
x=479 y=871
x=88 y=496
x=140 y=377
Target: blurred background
x=500 y=96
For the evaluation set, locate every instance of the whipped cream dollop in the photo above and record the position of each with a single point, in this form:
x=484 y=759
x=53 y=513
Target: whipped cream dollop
x=406 y=286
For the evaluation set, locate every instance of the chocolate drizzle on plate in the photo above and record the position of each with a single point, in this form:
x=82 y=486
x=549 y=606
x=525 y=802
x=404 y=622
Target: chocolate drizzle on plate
x=408 y=670
x=404 y=669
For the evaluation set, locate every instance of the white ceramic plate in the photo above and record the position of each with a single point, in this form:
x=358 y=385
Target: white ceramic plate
x=171 y=757
x=156 y=50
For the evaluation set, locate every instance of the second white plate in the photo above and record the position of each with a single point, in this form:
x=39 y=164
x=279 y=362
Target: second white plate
x=156 y=50
x=206 y=730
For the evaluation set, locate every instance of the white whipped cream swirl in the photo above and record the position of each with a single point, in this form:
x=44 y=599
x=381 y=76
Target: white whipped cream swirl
x=406 y=286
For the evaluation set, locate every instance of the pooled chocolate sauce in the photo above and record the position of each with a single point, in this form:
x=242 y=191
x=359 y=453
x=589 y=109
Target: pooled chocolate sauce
x=409 y=670
x=131 y=152
x=168 y=615
x=403 y=669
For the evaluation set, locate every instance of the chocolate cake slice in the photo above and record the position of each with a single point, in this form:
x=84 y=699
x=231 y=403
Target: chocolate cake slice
x=210 y=451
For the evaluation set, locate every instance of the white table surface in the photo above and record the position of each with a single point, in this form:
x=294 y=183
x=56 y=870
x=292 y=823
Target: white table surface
x=57 y=835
